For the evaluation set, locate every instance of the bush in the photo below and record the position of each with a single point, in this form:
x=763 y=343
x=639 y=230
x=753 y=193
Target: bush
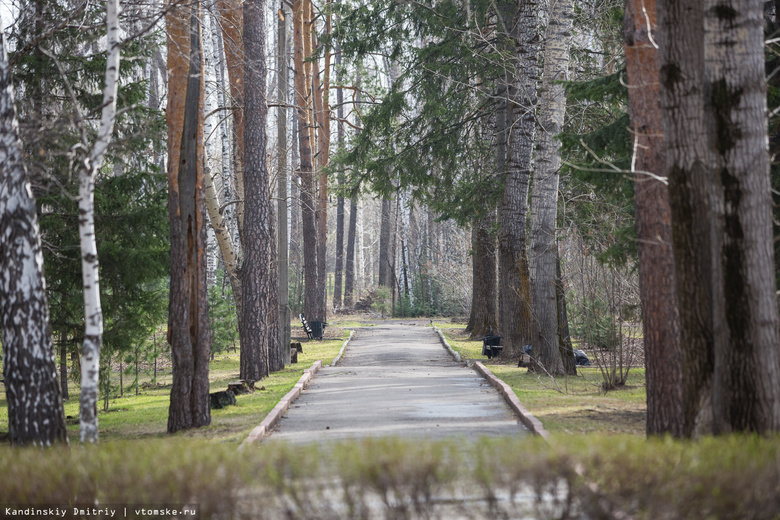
x=594 y=477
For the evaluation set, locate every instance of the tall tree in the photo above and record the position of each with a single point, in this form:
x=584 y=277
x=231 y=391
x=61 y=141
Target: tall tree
x=35 y=411
x=482 y=318
x=188 y=319
x=260 y=351
x=514 y=283
x=544 y=195
x=657 y=283
x=303 y=82
x=282 y=177
x=681 y=48
x=339 y=274
x=745 y=319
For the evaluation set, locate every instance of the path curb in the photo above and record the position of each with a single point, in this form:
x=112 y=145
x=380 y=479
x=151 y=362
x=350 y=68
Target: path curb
x=447 y=346
x=532 y=423
x=343 y=347
x=262 y=429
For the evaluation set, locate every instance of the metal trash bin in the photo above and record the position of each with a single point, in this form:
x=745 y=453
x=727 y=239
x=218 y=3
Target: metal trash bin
x=317 y=329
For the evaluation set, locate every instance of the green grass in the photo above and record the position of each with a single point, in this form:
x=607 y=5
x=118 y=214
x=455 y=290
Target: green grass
x=145 y=416
x=565 y=405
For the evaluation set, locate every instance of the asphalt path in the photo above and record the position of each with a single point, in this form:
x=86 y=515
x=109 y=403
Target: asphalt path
x=396 y=379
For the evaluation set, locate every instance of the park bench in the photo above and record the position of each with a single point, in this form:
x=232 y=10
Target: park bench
x=314 y=329
x=491 y=346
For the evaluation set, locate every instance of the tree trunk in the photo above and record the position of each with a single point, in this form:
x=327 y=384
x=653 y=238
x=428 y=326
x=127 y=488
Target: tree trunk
x=260 y=350
x=564 y=337
x=544 y=196
x=282 y=177
x=385 y=259
x=322 y=114
x=660 y=318
x=349 y=268
x=308 y=208
x=232 y=17
x=188 y=319
x=747 y=361
x=88 y=170
x=338 y=276
x=682 y=49
x=35 y=412
x=514 y=283
x=483 y=296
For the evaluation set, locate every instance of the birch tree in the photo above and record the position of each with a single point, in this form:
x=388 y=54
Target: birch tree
x=282 y=177
x=35 y=410
x=88 y=167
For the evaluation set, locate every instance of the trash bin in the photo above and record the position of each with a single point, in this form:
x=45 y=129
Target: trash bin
x=317 y=328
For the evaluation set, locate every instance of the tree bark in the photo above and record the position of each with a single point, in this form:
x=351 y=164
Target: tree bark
x=260 y=352
x=660 y=318
x=35 y=411
x=682 y=49
x=188 y=318
x=483 y=314
x=349 y=268
x=385 y=257
x=307 y=195
x=232 y=29
x=514 y=283
x=282 y=177
x=747 y=361
x=339 y=274
x=544 y=196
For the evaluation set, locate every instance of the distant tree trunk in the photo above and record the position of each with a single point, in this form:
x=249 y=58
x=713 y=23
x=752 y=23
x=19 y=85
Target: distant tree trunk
x=747 y=359
x=188 y=317
x=544 y=196
x=483 y=296
x=682 y=49
x=385 y=258
x=349 y=268
x=232 y=17
x=260 y=350
x=660 y=318
x=564 y=337
x=514 y=283
x=35 y=412
x=282 y=177
x=340 y=201
x=308 y=203
x=322 y=114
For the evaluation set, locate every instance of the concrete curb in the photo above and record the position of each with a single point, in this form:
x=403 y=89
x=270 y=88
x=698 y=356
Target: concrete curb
x=343 y=348
x=262 y=429
x=447 y=346
x=531 y=422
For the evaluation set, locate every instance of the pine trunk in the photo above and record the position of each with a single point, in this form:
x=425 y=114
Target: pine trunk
x=282 y=177
x=747 y=361
x=660 y=318
x=188 y=318
x=35 y=412
x=349 y=265
x=308 y=189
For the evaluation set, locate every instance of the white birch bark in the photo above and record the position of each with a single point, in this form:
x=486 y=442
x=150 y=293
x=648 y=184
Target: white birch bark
x=35 y=412
x=93 y=334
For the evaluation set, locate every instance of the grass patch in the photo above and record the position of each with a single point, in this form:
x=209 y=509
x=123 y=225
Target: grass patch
x=567 y=405
x=145 y=416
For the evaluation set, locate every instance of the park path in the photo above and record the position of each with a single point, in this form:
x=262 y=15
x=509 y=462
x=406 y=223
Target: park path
x=396 y=379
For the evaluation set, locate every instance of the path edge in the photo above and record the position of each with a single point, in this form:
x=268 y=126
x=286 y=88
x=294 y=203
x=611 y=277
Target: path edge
x=262 y=429
x=343 y=348
x=447 y=346
x=533 y=424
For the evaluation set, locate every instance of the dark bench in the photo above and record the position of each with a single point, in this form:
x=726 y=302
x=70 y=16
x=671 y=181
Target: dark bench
x=313 y=330
x=491 y=346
